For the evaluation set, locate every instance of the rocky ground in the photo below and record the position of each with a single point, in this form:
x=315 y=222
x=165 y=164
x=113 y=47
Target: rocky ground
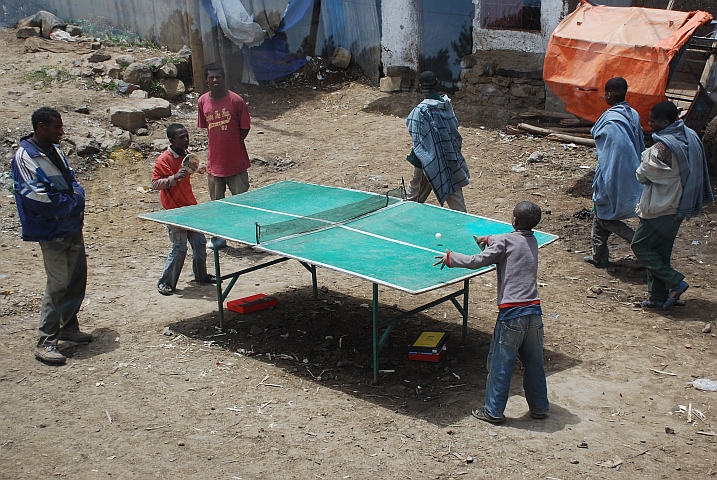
x=287 y=393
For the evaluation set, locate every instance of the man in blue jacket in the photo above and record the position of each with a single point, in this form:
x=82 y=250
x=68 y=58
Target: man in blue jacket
x=51 y=207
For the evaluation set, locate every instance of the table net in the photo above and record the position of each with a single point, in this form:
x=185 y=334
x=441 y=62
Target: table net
x=327 y=218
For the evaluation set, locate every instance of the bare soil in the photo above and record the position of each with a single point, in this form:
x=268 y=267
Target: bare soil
x=286 y=393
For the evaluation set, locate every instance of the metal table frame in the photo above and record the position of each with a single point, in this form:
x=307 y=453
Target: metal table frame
x=386 y=324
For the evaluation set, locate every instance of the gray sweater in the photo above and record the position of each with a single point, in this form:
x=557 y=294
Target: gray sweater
x=515 y=255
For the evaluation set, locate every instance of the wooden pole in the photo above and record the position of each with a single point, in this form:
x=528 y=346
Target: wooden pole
x=195 y=43
x=314 y=29
x=553 y=135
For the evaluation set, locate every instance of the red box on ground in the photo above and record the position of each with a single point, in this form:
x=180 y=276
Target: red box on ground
x=430 y=357
x=252 y=303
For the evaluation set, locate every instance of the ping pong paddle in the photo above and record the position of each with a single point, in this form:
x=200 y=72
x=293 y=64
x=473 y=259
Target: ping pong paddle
x=190 y=163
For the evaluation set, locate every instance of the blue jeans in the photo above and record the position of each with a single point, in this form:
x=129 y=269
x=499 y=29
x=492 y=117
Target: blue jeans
x=175 y=260
x=516 y=337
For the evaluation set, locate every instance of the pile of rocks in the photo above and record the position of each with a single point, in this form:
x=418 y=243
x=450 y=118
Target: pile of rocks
x=502 y=78
x=163 y=76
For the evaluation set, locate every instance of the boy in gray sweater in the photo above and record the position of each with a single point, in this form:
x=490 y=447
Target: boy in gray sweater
x=518 y=332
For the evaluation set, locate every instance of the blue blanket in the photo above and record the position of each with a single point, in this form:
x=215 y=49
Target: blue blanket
x=437 y=146
x=619 y=142
x=686 y=145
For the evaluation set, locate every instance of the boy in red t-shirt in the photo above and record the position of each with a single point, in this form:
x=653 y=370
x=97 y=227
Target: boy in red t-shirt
x=226 y=117
x=175 y=190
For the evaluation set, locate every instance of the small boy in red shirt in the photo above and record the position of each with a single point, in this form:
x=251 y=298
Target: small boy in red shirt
x=175 y=190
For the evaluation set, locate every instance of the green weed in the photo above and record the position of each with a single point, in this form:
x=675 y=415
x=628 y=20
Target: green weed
x=155 y=89
x=47 y=74
x=124 y=36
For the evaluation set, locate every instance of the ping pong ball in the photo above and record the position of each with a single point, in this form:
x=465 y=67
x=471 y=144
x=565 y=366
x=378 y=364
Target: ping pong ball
x=438 y=236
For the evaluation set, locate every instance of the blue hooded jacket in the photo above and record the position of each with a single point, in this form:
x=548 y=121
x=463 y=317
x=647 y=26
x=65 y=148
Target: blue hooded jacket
x=49 y=208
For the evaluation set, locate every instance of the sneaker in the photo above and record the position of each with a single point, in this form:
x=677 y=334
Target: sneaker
x=539 y=416
x=75 y=336
x=481 y=414
x=600 y=264
x=165 y=289
x=209 y=279
x=217 y=243
x=49 y=354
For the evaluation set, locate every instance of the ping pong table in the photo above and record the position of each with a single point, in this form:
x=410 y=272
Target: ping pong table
x=393 y=245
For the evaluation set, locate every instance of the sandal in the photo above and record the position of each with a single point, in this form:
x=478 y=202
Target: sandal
x=165 y=289
x=653 y=304
x=674 y=294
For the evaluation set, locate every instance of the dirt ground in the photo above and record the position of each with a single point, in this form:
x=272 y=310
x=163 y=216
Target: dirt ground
x=286 y=393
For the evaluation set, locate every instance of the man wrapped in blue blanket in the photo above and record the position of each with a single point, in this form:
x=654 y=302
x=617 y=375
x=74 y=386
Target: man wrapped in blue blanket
x=619 y=142
x=436 y=155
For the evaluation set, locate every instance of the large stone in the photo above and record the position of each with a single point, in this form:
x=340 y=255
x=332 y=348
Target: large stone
x=85 y=146
x=184 y=68
x=341 y=57
x=168 y=70
x=124 y=59
x=141 y=94
x=154 y=108
x=138 y=73
x=390 y=84
x=154 y=63
x=114 y=71
x=128 y=117
x=98 y=69
x=73 y=30
x=99 y=56
x=27 y=32
x=113 y=142
x=124 y=87
x=172 y=88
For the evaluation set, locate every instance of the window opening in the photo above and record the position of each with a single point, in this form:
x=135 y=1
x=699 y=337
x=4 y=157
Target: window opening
x=511 y=14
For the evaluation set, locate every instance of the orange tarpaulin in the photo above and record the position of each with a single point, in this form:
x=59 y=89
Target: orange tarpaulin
x=596 y=43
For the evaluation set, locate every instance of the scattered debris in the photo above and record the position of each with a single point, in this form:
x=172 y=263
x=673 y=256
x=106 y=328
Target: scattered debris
x=614 y=463
x=705 y=384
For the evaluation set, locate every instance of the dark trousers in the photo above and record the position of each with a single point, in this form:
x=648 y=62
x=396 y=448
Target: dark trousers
x=66 y=269
x=652 y=245
x=601 y=231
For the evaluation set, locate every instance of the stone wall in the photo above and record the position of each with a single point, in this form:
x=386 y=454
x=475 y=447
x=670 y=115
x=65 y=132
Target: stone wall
x=502 y=79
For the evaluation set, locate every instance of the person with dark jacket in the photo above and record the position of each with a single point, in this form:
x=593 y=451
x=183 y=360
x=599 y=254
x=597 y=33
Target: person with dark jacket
x=51 y=207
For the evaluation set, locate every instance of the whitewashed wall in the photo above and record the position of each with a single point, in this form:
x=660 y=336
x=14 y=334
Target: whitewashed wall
x=399 y=26
x=551 y=13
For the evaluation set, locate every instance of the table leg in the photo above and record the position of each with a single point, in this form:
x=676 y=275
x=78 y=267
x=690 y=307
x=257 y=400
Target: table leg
x=375 y=333
x=220 y=297
x=466 y=284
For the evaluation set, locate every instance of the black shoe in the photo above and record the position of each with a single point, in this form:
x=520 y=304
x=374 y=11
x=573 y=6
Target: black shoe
x=539 y=416
x=600 y=264
x=209 y=279
x=165 y=289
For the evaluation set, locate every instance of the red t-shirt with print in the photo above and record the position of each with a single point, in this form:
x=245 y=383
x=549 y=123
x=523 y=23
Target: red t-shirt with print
x=180 y=195
x=223 y=118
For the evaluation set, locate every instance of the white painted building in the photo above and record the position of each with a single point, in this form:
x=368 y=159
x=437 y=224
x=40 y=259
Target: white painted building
x=528 y=40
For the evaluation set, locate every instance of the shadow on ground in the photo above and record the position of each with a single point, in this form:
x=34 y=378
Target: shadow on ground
x=328 y=342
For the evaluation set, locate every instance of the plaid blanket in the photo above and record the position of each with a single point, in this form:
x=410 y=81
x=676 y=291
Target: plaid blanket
x=437 y=146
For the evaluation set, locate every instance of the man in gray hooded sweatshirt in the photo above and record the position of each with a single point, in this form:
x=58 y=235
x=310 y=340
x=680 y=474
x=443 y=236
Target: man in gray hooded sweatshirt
x=436 y=156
